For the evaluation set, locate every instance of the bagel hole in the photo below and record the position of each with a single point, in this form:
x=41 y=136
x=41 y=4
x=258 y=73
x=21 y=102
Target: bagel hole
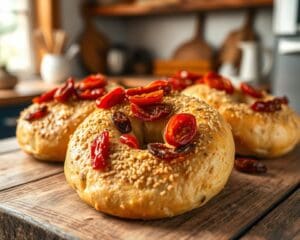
x=148 y=132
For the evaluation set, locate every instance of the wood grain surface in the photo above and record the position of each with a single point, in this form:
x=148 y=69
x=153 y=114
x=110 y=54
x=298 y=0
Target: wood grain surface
x=282 y=223
x=47 y=208
x=18 y=168
x=8 y=145
x=160 y=7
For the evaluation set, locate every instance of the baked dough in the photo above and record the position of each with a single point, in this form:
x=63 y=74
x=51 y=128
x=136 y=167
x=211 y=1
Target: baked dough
x=47 y=138
x=139 y=185
x=259 y=134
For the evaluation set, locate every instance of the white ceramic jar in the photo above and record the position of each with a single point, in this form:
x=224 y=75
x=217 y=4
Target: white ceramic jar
x=55 y=68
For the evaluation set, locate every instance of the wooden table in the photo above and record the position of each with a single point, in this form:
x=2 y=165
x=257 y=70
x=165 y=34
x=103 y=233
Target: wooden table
x=37 y=203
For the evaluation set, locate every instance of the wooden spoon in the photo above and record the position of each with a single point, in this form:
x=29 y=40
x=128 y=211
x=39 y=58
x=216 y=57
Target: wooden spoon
x=196 y=48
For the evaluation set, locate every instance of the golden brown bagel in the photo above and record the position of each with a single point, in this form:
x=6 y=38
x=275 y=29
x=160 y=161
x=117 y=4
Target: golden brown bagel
x=47 y=138
x=260 y=134
x=140 y=185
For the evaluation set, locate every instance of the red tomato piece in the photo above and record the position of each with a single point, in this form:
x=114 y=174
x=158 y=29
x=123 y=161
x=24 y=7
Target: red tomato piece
x=147 y=98
x=218 y=82
x=99 y=151
x=251 y=91
x=45 y=97
x=179 y=84
x=161 y=85
x=93 y=81
x=270 y=105
x=91 y=94
x=200 y=80
x=66 y=91
x=267 y=106
x=38 y=113
x=249 y=165
x=183 y=79
x=154 y=86
x=130 y=140
x=163 y=152
x=283 y=100
x=181 y=129
x=114 y=97
x=151 y=112
x=227 y=86
x=212 y=75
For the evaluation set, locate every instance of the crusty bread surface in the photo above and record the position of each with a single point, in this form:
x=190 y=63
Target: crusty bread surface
x=259 y=134
x=139 y=185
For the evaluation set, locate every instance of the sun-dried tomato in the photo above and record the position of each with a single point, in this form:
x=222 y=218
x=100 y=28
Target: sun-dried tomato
x=130 y=140
x=200 y=81
x=181 y=129
x=154 y=86
x=183 y=79
x=218 y=82
x=93 y=81
x=160 y=85
x=249 y=165
x=251 y=91
x=151 y=112
x=111 y=99
x=163 y=152
x=99 y=151
x=147 y=98
x=122 y=122
x=38 y=113
x=91 y=94
x=63 y=93
x=270 y=105
x=283 y=100
x=45 y=97
x=179 y=84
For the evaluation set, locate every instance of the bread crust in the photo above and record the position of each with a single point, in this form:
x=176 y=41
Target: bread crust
x=256 y=134
x=47 y=138
x=139 y=185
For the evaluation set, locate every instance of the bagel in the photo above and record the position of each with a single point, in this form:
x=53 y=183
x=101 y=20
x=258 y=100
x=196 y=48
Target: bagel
x=47 y=136
x=260 y=133
x=138 y=184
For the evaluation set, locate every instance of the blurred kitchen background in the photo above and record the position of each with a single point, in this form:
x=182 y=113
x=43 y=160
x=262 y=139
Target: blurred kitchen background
x=42 y=42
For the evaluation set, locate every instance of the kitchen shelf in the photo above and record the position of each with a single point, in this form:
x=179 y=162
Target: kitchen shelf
x=183 y=6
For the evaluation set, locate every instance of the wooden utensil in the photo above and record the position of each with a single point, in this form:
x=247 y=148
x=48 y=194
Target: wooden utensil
x=94 y=46
x=40 y=40
x=60 y=39
x=196 y=48
x=230 y=51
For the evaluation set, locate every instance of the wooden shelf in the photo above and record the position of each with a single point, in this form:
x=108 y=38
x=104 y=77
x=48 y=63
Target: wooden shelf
x=183 y=6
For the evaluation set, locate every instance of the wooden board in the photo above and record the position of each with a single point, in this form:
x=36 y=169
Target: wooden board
x=17 y=168
x=158 y=8
x=282 y=223
x=169 y=67
x=8 y=145
x=47 y=208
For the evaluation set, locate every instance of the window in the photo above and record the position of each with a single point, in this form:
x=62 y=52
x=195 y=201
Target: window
x=16 y=50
